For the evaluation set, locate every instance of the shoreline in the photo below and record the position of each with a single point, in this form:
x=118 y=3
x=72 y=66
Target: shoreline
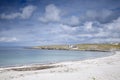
x=105 y=68
x=72 y=49
x=49 y=63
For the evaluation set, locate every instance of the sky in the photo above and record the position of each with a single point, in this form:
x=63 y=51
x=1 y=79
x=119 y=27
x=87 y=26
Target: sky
x=48 y=22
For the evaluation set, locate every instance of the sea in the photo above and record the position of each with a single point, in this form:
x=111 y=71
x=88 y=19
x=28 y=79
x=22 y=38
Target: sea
x=16 y=56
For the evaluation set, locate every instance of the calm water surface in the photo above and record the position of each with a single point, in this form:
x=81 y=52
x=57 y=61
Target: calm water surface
x=21 y=56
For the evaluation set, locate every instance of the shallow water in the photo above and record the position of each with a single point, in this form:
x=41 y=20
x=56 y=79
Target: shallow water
x=21 y=56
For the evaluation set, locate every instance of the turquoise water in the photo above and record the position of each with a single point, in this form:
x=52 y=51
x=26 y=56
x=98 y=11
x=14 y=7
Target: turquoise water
x=21 y=56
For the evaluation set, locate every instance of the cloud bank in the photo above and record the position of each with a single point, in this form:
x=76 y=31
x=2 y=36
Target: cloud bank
x=52 y=13
x=58 y=22
x=24 y=14
x=8 y=39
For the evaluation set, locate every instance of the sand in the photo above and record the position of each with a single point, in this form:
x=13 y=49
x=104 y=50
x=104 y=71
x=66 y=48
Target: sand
x=105 y=68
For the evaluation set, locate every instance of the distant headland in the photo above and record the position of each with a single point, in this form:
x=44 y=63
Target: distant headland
x=82 y=47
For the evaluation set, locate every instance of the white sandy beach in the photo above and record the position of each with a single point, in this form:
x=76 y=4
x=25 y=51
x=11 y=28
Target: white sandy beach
x=106 y=68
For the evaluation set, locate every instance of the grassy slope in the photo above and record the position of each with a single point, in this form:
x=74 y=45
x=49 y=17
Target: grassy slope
x=98 y=47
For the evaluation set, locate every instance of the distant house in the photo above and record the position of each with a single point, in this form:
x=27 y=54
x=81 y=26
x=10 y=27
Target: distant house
x=115 y=43
x=73 y=47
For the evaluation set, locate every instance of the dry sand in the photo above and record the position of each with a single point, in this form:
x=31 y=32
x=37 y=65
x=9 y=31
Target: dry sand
x=106 y=68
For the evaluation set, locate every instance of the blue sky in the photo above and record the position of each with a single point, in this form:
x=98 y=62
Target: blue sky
x=46 y=22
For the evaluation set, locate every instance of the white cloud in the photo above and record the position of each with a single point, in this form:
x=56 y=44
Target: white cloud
x=8 y=39
x=62 y=33
x=113 y=28
x=115 y=25
x=73 y=20
x=84 y=35
x=67 y=28
x=88 y=26
x=62 y=29
x=10 y=16
x=52 y=13
x=98 y=14
x=26 y=13
x=108 y=30
x=100 y=40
